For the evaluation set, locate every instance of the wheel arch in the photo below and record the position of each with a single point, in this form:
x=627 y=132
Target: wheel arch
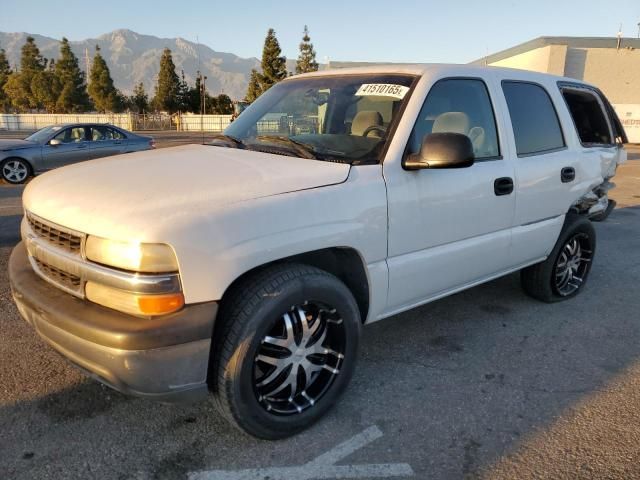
x=345 y=263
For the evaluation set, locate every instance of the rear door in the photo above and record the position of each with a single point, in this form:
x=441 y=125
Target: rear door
x=547 y=179
x=74 y=147
x=106 y=141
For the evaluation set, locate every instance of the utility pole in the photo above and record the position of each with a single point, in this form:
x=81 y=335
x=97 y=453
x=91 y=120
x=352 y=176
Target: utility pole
x=87 y=62
x=204 y=94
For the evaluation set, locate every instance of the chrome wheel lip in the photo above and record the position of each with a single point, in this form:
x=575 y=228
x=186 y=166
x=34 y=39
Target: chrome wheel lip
x=572 y=264
x=299 y=359
x=15 y=171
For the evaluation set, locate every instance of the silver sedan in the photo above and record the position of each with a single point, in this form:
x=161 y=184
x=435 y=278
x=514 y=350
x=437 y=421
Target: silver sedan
x=60 y=145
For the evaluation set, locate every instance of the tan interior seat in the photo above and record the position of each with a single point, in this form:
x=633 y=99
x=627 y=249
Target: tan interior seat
x=458 y=122
x=365 y=119
x=451 y=122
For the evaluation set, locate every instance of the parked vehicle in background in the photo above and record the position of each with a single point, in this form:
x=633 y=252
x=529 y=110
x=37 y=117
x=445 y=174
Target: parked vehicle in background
x=59 y=145
x=336 y=199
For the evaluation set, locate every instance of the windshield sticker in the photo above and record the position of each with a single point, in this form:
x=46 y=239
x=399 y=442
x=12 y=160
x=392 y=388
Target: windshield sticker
x=55 y=129
x=382 y=90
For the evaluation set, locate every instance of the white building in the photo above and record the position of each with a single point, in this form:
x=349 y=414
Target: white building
x=613 y=64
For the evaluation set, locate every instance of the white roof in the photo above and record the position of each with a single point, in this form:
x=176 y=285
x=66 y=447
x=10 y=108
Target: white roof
x=442 y=69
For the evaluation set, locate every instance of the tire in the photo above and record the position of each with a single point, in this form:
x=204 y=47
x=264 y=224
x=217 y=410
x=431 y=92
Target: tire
x=15 y=170
x=564 y=273
x=285 y=318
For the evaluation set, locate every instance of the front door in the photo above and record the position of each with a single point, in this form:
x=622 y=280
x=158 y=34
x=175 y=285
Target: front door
x=450 y=228
x=74 y=147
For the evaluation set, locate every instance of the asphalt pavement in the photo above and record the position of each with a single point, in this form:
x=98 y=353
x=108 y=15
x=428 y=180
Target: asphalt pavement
x=487 y=383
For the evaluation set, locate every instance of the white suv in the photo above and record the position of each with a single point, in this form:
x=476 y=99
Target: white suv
x=247 y=267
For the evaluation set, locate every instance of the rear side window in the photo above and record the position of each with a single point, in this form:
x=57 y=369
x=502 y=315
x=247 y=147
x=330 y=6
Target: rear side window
x=105 y=133
x=588 y=117
x=535 y=122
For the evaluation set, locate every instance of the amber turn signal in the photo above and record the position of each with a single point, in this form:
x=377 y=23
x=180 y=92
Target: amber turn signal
x=134 y=303
x=160 y=304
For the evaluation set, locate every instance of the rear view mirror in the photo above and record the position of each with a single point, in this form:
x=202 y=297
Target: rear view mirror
x=442 y=150
x=54 y=142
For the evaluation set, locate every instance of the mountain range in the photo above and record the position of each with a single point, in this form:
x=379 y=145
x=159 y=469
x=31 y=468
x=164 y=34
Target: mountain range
x=134 y=58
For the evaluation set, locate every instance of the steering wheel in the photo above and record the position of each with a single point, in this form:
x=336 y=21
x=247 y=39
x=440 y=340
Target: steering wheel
x=374 y=128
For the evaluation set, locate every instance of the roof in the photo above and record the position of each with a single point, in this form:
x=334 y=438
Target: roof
x=571 y=42
x=432 y=68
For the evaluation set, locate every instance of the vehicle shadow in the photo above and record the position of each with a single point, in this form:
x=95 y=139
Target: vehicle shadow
x=454 y=386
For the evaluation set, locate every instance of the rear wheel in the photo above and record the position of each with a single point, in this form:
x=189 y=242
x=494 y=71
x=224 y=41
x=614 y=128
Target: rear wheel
x=15 y=170
x=563 y=274
x=285 y=349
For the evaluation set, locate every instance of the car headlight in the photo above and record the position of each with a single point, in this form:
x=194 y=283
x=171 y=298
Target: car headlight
x=136 y=257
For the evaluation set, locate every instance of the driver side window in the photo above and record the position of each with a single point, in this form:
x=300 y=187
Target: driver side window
x=458 y=106
x=71 y=135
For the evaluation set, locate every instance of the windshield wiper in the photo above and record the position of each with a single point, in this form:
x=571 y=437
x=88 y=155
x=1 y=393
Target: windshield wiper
x=302 y=149
x=227 y=139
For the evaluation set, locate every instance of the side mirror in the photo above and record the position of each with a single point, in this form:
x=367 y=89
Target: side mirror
x=442 y=150
x=54 y=142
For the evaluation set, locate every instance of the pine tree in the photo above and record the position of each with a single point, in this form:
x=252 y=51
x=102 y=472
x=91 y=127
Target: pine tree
x=307 y=59
x=168 y=85
x=274 y=66
x=139 y=101
x=5 y=72
x=195 y=96
x=18 y=84
x=253 y=90
x=73 y=95
x=101 y=90
x=183 y=96
x=224 y=105
x=30 y=58
x=45 y=88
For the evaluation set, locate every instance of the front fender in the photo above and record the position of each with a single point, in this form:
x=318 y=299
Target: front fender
x=215 y=248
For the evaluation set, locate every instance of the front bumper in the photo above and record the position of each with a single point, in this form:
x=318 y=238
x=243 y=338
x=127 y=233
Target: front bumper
x=164 y=358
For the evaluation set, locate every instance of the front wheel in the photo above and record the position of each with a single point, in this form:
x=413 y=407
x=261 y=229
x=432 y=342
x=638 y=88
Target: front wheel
x=15 y=170
x=564 y=273
x=285 y=349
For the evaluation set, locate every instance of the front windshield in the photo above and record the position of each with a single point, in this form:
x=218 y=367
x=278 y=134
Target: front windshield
x=339 y=118
x=42 y=134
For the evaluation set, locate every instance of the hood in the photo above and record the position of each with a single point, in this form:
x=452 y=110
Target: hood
x=144 y=192
x=13 y=144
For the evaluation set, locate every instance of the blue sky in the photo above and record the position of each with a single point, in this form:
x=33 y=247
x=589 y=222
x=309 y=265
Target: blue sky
x=374 y=30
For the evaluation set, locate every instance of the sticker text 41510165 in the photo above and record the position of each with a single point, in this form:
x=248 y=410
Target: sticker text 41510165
x=382 y=90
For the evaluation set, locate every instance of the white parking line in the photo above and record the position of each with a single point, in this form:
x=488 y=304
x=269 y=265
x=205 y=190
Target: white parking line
x=322 y=467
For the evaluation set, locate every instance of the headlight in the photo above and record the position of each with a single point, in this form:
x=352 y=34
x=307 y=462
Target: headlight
x=136 y=257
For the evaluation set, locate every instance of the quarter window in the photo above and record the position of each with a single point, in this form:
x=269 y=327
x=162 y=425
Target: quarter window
x=458 y=106
x=588 y=117
x=535 y=122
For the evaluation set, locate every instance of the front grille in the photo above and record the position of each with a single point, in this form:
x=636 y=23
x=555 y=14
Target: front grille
x=59 y=277
x=56 y=236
